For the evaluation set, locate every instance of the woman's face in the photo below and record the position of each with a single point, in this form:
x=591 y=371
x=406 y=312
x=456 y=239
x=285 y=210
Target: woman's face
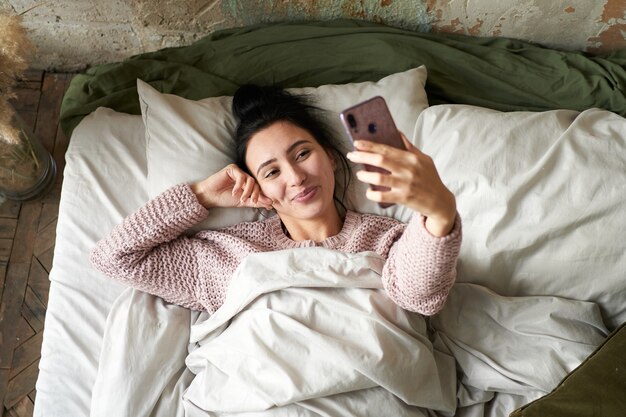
x=293 y=169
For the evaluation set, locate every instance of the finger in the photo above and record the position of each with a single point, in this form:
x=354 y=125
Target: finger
x=257 y=196
x=390 y=161
x=239 y=182
x=378 y=178
x=254 y=196
x=380 y=196
x=363 y=157
x=407 y=144
x=385 y=196
x=381 y=148
x=397 y=189
x=247 y=188
x=265 y=201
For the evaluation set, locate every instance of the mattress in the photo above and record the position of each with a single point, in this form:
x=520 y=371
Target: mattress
x=107 y=150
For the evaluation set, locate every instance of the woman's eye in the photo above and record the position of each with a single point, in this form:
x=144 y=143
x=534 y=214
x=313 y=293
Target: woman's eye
x=302 y=154
x=270 y=173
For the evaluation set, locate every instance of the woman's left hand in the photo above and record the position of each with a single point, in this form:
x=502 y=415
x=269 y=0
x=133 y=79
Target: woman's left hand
x=413 y=181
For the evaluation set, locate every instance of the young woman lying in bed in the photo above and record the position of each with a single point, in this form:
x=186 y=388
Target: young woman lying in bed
x=286 y=161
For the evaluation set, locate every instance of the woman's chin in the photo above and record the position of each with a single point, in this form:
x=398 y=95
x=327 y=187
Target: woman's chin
x=309 y=211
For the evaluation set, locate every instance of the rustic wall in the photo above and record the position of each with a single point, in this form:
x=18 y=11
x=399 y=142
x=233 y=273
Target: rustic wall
x=592 y=26
x=72 y=34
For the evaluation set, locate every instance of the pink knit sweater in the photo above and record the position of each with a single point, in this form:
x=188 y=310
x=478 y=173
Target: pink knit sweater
x=150 y=252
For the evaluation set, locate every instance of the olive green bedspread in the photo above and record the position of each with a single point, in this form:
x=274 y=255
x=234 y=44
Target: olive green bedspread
x=498 y=73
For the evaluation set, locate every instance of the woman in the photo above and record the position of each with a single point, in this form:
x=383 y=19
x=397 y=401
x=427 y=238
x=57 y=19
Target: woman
x=286 y=161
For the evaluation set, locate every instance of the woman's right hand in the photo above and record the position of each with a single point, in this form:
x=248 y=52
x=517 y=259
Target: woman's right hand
x=230 y=187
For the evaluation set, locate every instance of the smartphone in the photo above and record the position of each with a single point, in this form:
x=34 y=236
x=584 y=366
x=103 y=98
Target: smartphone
x=371 y=120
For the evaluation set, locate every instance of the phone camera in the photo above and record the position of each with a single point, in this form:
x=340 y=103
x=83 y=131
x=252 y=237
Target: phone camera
x=371 y=127
x=351 y=121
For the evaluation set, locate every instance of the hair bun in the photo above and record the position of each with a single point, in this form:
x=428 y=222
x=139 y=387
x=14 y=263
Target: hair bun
x=250 y=98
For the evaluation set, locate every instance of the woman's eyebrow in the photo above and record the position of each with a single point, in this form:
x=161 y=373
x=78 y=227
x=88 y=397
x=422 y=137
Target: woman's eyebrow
x=269 y=161
x=289 y=149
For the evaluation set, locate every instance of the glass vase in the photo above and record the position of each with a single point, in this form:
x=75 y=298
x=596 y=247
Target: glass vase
x=27 y=170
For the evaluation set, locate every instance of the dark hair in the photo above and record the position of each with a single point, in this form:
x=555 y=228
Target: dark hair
x=258 y=107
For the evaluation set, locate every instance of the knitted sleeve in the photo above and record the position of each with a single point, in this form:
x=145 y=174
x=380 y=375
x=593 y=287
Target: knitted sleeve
x=421 y=268
x=147 y=251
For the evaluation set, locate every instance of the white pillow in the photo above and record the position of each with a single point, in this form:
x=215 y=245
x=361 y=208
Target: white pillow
x=189 y=140
x=542 y=199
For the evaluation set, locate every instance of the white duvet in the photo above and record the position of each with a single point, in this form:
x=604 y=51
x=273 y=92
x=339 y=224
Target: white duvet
x=311 y=332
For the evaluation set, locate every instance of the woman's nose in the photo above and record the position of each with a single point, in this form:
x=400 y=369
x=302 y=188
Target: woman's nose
x=296 y=175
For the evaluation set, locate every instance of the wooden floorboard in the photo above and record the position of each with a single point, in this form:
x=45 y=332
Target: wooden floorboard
x=27 y=236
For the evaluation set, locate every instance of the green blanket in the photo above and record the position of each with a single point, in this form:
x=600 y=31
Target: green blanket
x=498 y=73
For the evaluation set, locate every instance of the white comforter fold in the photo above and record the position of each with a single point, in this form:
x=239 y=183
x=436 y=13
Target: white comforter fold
x=308 y=324
x=515 y=349
x=311 y=332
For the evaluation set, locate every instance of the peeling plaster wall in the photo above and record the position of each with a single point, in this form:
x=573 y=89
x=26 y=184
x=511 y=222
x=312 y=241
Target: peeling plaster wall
x=612 y=36
x=72 y=34
x=591 y=26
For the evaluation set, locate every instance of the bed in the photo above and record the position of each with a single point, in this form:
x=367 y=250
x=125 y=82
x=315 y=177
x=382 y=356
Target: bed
x=531 y=141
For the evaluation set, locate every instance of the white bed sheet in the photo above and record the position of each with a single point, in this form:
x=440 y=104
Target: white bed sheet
x=104 y=180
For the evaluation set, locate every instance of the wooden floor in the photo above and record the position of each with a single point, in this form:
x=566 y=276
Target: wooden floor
x=27 y=235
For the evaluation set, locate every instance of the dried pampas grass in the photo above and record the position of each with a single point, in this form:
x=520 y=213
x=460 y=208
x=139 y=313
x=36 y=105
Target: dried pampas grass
x=9 y=132
x=15 y=51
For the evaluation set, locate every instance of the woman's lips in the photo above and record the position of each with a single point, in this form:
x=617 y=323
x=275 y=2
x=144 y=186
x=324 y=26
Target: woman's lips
x=305 y=196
